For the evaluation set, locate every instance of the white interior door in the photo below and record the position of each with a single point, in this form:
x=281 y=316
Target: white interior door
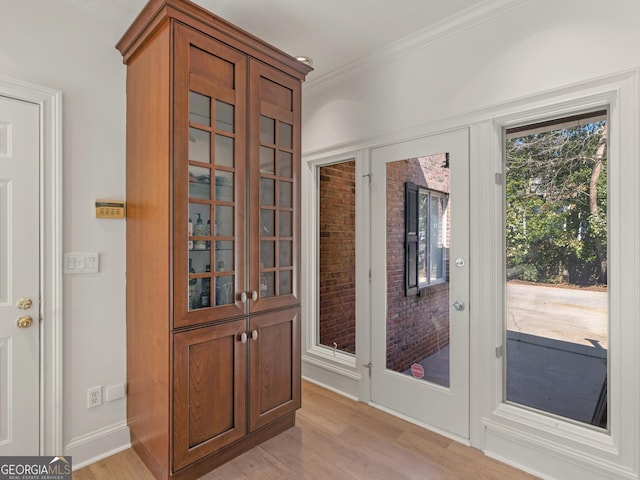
x=19 y=277
x=420 y=280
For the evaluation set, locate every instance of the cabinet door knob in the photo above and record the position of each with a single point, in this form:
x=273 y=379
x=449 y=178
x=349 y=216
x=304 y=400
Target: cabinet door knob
x=254 y=295
x=243 y=337
x=243 y=297
x=254 y=335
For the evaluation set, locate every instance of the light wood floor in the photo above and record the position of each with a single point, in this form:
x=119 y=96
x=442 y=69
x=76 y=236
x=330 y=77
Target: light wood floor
x=338 y=439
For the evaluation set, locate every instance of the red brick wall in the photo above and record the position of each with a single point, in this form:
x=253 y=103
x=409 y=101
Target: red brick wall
x=417 y=326
x=338 y=256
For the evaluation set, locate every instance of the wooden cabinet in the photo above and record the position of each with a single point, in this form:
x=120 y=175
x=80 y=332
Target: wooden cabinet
x=213 y=238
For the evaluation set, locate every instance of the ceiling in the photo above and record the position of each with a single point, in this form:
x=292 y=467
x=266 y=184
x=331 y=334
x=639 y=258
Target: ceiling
x=333 y=33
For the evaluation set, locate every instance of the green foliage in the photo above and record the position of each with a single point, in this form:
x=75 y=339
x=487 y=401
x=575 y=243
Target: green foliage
x=553 y=233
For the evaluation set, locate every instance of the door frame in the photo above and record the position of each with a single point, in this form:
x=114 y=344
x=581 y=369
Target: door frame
x=51 y=252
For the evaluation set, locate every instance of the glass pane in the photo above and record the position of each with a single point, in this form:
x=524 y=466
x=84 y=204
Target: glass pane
x=199 y=182
x=267 y=191
x=285 y=255
x=197 y=225
x=199 y=293
x=224 y=186
x=224 y=221
x=267 y=130
x=224 y=151
x=267 y=223
x=224 y=290
x=200 y=230
x=557 y=316
x=286 y=224
x=285 y=135
x=285 y=282
x=199 y=261
x=336 y=262
x=436 y=246
x=224 y=256
x=267 y=160
x=286 y=194
x=267 y=284
x=199 y=145
x=267 y=254
x=205 y=293
x=423 y=209
x=285 y=164
x=199 y=109
x=224 y=116
x=417 y=325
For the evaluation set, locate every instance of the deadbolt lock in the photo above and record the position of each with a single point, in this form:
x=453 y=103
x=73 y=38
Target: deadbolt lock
x=24 y=303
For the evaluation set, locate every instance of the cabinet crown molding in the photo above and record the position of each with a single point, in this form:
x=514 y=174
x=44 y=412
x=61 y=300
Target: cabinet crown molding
x=156 y=12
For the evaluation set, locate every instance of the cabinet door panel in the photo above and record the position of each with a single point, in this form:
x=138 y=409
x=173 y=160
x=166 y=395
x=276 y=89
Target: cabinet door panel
x=274 y=366
x=209 y=390
x=274 y=203
x=209 y=179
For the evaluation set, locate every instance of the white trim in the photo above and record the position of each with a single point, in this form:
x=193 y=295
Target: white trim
x=51 y=354
x=319 y=363
x=473 y=118
x=102 y=443
x=555 y=446
x=431 y=428
x=328 y=386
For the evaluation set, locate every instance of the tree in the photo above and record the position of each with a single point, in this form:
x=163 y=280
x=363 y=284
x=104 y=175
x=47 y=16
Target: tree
x=556 y=205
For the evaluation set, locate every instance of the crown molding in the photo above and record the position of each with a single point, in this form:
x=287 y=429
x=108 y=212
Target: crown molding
x=484 y=11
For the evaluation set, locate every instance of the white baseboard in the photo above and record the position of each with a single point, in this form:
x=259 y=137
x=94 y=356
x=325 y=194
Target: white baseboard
x=332 y=378
x=98 y=444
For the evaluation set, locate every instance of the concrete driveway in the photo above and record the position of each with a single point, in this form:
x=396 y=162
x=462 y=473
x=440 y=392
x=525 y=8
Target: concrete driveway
x=567 y=314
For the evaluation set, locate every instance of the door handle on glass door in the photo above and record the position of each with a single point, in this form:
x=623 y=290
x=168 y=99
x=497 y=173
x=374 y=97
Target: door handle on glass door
x=458 y=306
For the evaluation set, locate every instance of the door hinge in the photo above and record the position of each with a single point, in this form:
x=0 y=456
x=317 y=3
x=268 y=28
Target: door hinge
x=369 y=366
x=368 y=175
x=498 y=179
x=369 y=275
x=500 y=351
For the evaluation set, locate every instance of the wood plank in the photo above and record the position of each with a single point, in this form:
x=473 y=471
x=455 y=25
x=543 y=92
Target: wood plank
x=336 y=437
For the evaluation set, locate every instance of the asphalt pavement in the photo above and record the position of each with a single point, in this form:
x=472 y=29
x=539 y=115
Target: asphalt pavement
x=567 y=314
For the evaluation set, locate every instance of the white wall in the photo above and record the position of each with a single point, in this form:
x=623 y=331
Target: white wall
x=57 y=45
x=542 y=45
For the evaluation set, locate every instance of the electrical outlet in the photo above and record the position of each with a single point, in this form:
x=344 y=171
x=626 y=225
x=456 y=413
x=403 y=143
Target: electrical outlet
x=94 y=397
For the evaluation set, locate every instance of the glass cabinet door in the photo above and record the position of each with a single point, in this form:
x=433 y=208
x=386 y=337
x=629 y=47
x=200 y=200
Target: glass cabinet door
x=209 y=183
x=274 y=188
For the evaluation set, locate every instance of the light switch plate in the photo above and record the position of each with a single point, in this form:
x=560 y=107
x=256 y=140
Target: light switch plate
x=81 y=262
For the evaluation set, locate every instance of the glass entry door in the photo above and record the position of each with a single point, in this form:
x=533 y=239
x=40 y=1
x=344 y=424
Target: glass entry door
x=420 y=280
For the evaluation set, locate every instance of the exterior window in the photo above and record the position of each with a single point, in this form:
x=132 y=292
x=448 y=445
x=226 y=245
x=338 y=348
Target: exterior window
x=426 y=237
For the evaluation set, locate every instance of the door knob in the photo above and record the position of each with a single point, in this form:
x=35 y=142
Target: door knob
x=24 y=322
x=24 y=303
x=458 y=306
x=254 y=335
x=243 y=297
